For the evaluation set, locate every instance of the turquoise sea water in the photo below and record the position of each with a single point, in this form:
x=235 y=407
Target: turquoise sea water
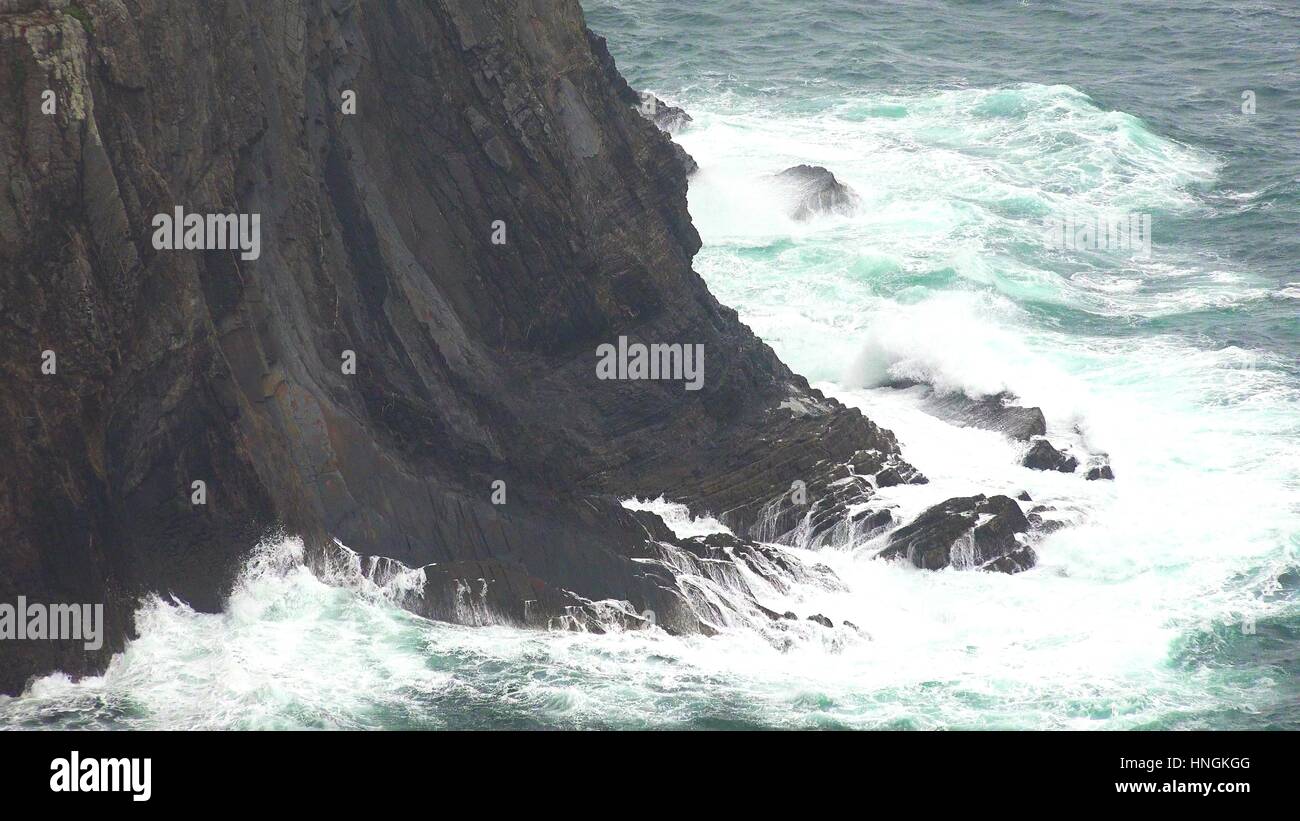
x=1172 y=600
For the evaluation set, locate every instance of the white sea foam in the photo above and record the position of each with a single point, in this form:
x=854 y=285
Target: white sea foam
x=678 y=517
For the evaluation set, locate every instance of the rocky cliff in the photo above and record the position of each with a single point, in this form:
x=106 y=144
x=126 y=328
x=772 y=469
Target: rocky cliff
x=474 y=360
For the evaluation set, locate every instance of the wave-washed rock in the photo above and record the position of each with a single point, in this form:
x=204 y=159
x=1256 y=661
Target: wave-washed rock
x=966 y=533
x=816 y=191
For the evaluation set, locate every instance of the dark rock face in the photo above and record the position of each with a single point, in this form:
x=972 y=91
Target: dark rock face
x=968 y=533
x=1043 y=456
x=817 y=192
x=475 y=361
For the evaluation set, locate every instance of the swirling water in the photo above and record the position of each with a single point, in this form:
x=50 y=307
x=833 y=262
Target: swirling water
x=962 y=125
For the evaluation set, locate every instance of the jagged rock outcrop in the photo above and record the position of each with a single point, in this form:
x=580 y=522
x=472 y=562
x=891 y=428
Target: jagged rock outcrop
x=474 y=360
x=1042 y=455
x=966 y=533
x=816 y=191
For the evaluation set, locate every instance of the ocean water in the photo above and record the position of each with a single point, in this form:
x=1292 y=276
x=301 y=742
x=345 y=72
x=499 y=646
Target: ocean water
x=1173 y=598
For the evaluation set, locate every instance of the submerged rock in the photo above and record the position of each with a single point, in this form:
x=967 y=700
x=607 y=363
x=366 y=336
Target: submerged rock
x=1286 y=582
x=968 y=533
x=1043 y=456
x=817 y=192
